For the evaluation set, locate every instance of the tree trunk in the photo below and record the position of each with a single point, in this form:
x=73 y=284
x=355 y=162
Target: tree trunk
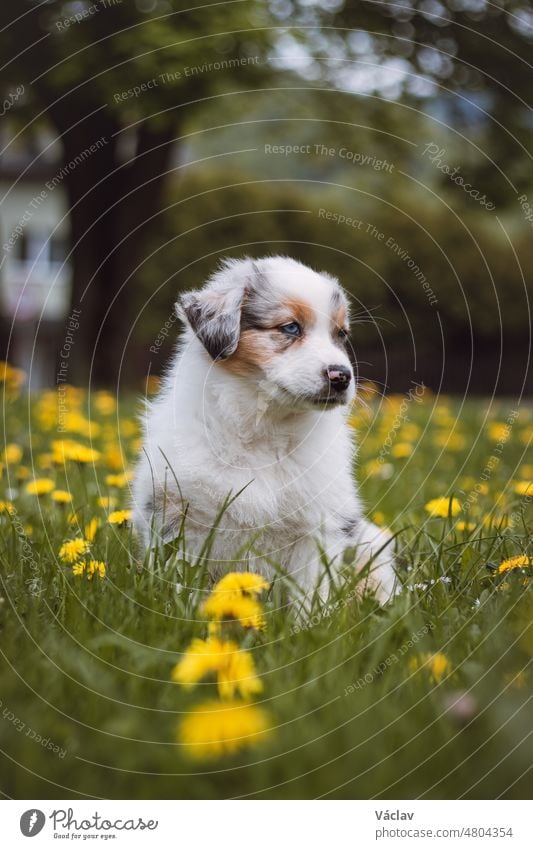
x=111 y=204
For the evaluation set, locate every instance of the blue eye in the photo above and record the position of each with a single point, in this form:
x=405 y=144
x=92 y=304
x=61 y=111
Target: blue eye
x=291 y=329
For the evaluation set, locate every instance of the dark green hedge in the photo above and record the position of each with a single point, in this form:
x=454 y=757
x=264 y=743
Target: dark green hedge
x=419 y=270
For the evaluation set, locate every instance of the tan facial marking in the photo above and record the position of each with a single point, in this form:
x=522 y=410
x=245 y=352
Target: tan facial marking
x=255 y=348
x=258 y=346
x=339 y=318
x=300 y=311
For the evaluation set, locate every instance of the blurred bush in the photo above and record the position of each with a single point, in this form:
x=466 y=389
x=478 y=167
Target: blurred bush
x=417 y=269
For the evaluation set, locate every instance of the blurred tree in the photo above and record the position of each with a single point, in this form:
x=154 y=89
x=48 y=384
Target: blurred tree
x=468 y=59
x=470 y=268
x=139 y=76
x=127 y=75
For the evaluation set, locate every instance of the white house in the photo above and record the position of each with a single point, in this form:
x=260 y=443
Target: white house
x=35 y=279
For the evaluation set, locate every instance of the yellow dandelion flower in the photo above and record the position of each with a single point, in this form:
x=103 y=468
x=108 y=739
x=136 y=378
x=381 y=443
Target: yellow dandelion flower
x=215 y=729
x=372 y=468
x=523 y=488
x=521 y=561
x=393 y=403
x=413 y=664
x=23 y=473
x=498 y=431
x=228 y=605
x=91 y=528
x=233 y=667
x=378 y=518
x=75 y=422
x=402 y=450
x=12 y=378
x=105 y=403
x=443 y=411
x=443 y=506
x=106 y=501
x=45 y=461
x=465 y=526
x=61 y=496
x=128 y=427
x=119 y=517
x=72 y=548
x=119 y=481
x=410 y=432
x=480 y=488
x=59 y=450
x=95 y=567
x=241 y=582
x=7 y=507
x=114 y=458
x=40 y=486
x=64 y=450
x=12 y=454
x=73 y=394
x=238 y=677
x=450 y=441
x=82 y=454
x=437 y=665
x=202 y=658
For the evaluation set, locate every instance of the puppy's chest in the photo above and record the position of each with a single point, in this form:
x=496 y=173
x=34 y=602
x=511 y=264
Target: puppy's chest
x=299 y=491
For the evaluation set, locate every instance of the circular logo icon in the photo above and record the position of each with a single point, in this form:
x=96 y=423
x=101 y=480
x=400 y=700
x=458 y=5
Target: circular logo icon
x=32 y=822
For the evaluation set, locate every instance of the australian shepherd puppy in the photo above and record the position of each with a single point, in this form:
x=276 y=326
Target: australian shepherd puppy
x=252 y=413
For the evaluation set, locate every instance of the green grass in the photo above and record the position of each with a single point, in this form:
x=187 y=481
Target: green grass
x=86 y=664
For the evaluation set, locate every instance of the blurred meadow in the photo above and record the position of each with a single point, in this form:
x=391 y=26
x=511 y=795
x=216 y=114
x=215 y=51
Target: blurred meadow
x=114 y=675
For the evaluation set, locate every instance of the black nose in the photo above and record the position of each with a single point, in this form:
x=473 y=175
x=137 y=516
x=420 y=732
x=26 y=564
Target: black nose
x=339 y=377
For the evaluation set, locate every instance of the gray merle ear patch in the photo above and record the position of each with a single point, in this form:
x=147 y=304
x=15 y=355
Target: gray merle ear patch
x=215 y=317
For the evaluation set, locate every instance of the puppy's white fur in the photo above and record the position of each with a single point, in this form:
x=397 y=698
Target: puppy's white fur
x=246 y=406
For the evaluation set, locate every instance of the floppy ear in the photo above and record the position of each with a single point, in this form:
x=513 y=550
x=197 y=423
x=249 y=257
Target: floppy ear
x=215 y=317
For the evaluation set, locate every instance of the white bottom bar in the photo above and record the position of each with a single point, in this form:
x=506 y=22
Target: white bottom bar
x=268 y=824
